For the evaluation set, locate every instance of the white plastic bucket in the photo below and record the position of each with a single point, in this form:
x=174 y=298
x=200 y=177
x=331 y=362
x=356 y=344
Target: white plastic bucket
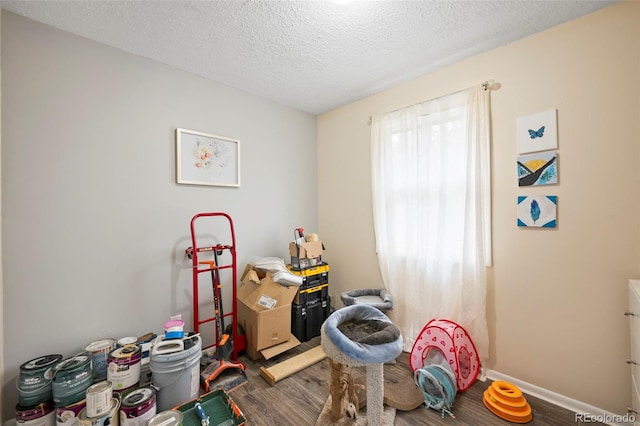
x=176 y=375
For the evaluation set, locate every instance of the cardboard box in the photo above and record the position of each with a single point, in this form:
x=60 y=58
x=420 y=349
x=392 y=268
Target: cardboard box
x=264 y=310
x=311 y=249
x=306 y=254
x=269 y=353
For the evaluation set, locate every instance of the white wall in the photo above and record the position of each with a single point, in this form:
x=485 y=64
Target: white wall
x=556 y=297
x=94 y=227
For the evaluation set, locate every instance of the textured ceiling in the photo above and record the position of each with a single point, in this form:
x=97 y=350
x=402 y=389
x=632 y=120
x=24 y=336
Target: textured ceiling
x=313 y=55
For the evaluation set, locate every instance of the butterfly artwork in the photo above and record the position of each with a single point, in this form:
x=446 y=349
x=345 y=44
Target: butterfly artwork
x=537 y=132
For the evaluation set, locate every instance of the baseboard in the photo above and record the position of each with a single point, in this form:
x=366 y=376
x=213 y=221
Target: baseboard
x=578 y=407
x=565 y=402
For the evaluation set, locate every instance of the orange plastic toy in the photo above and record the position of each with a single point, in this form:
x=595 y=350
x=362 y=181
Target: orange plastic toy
x=507 y=402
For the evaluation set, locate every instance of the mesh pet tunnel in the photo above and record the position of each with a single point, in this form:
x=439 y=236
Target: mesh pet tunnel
x=455 y=344
x=437 y=382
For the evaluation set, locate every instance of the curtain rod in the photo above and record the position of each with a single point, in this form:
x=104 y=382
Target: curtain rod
x=487 y=85
x=490 y=85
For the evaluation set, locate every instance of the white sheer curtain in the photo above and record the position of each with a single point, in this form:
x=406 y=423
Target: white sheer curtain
x=431 y=199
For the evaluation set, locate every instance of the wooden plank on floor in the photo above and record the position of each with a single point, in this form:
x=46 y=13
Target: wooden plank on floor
x=291 y=366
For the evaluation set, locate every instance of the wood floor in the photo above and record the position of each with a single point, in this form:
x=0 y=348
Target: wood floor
x=299 y=399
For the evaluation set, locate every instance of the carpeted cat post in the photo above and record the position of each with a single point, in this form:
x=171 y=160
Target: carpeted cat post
x=359 y=335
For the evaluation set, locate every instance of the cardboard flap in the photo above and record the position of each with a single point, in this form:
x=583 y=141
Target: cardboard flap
x=278 y=349
x=249 y=288
x=248 y=269
x=309 y=249
x=260 y=294
x=252 y=276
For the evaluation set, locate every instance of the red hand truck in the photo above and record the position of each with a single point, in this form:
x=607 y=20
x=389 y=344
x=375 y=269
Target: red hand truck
x=239 y=341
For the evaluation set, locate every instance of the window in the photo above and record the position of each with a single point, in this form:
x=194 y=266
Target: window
x=431 y=208
x=428 y=170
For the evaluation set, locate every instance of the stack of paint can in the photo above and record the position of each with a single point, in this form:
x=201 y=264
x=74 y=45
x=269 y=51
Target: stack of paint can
x=146 y=344
x=35 y=397
x=71 y=379
x=124 y=341
x=138 y=407
x=99 y=352
x=42 y=414
x=102 y=406
x=67 y=408
x=68 y=416
x=123 y=370
x=110 y=380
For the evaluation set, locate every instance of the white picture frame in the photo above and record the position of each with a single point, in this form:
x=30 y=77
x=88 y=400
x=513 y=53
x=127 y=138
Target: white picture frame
x=207 y=159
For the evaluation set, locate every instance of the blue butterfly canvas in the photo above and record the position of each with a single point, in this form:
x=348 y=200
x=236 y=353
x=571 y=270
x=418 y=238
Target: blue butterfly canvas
x=537 y=132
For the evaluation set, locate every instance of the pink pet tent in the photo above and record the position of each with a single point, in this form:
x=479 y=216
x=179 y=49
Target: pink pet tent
x=455 y=344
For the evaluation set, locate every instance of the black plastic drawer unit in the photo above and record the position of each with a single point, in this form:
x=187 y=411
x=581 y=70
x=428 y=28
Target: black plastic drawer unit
x=306 y=319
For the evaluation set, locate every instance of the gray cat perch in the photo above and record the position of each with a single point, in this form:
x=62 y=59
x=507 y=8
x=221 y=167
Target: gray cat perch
x=360 y=335
x=379 y=298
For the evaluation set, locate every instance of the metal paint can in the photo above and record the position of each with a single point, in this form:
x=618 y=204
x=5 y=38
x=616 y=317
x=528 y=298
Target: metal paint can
x=68 y=416
x=71 y=379
x=99 y=351
x=145 y=375
x=166 y=418
x=42 y=414
x=111 y=418
x=124 y=367
x=138 y=407
x=123 y=341
x=34 y=380
x=99 y=397
x=146 y=343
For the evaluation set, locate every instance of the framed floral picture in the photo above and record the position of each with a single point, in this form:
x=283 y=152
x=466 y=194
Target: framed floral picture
x=206 y=159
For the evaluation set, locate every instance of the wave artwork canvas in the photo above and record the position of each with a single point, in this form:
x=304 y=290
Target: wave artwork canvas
x=538 y=169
